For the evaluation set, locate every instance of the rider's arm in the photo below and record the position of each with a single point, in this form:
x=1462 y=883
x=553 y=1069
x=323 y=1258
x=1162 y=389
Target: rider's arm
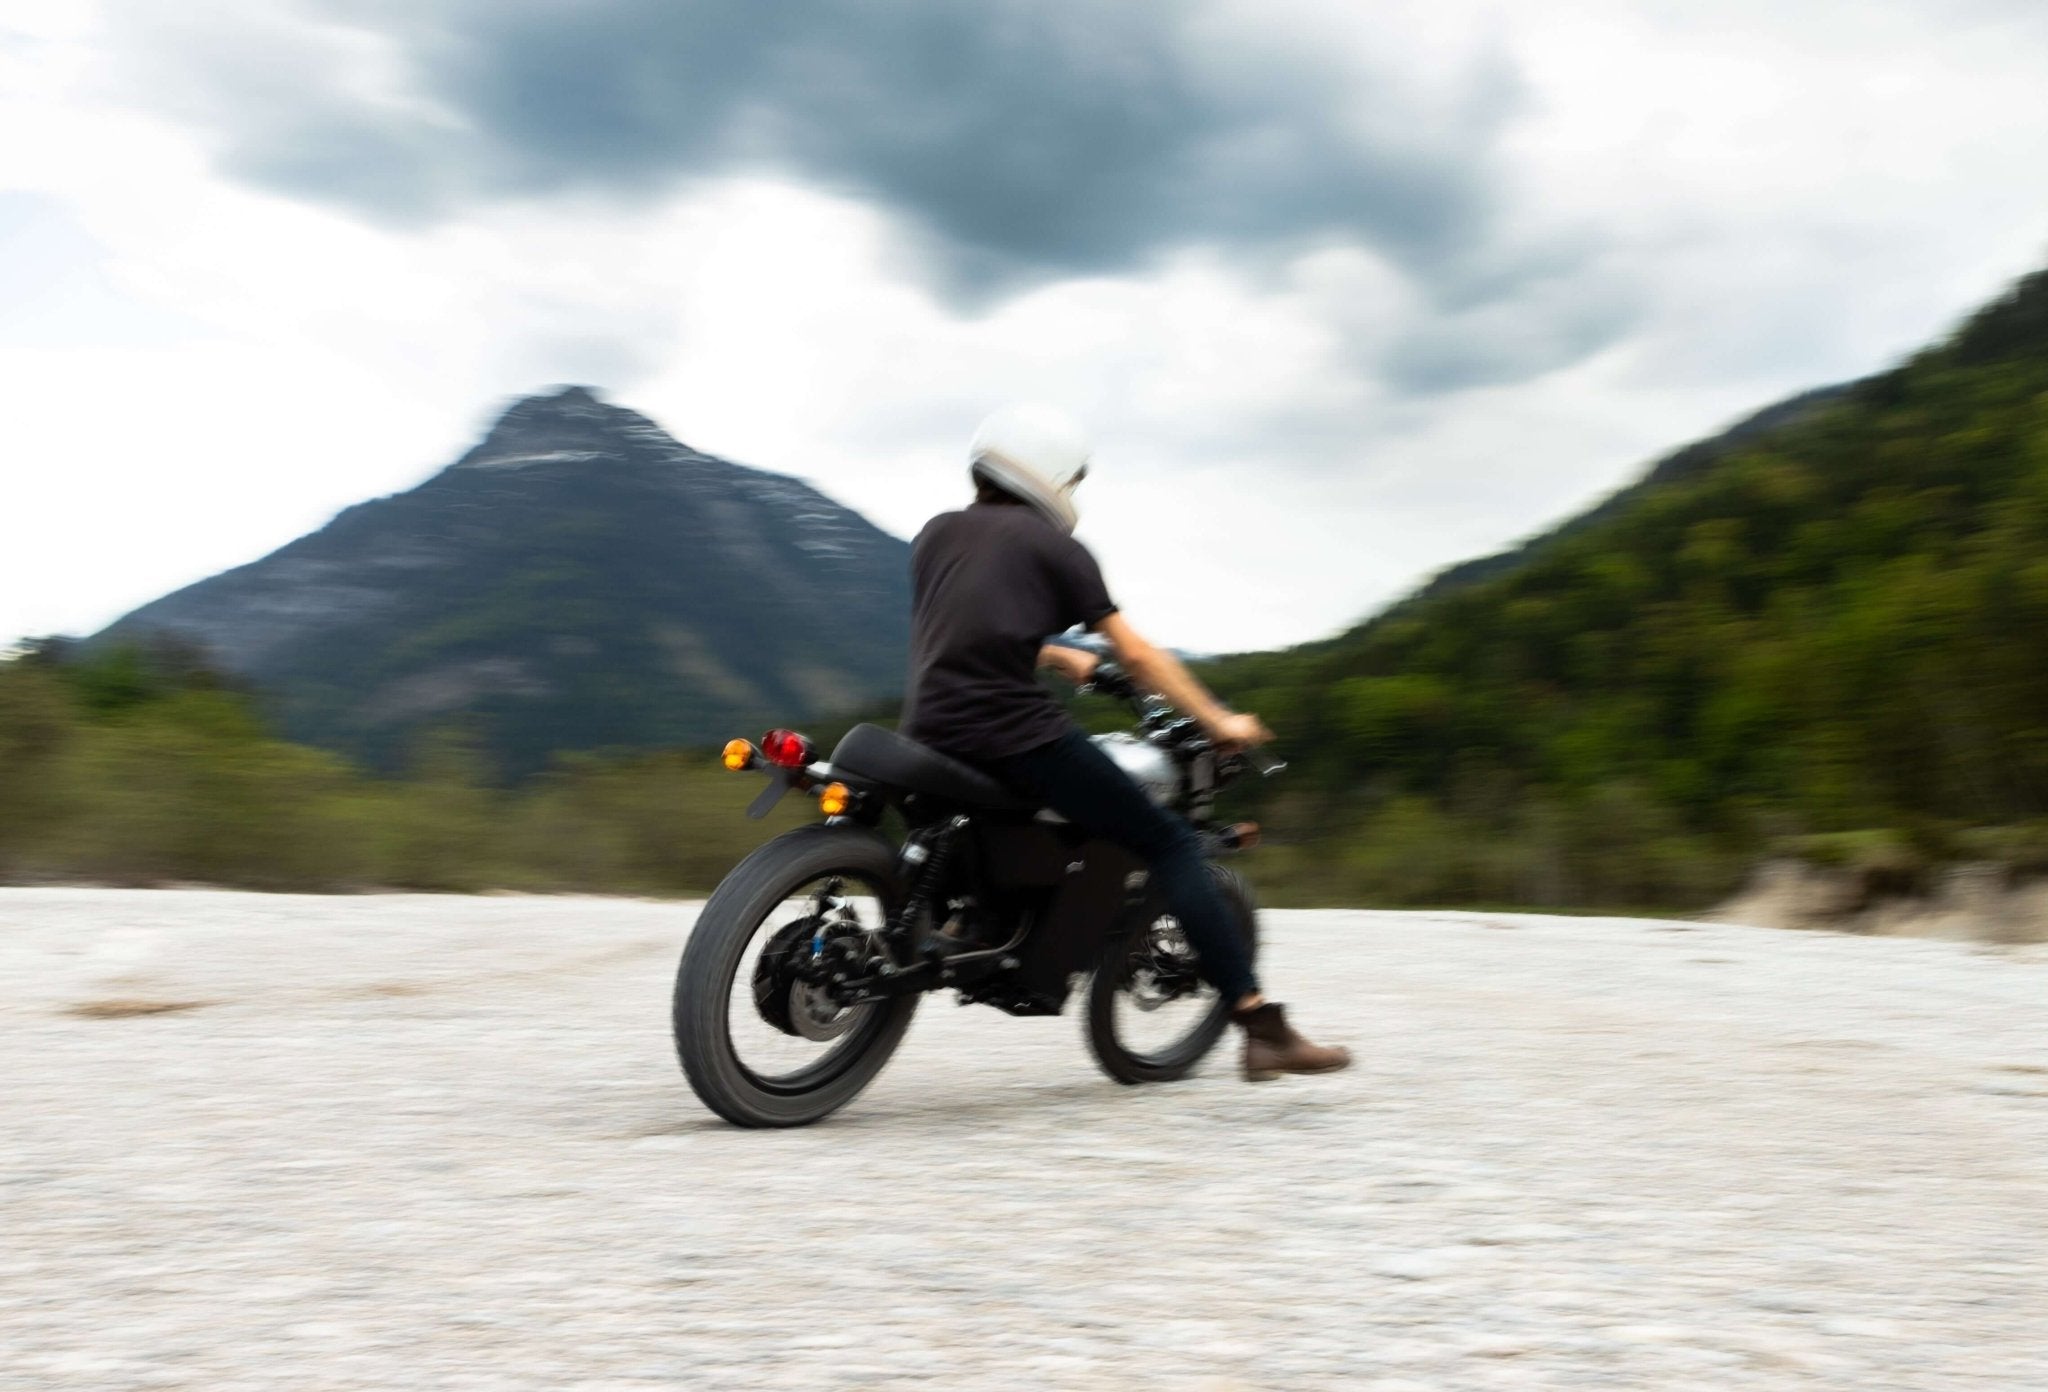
x=1159 y=671
x=1073 y=664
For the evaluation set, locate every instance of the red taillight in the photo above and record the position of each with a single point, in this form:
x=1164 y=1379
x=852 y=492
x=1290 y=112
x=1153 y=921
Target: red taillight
x=786 y=749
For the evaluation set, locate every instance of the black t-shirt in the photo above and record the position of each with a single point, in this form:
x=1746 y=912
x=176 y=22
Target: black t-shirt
x=989 y=585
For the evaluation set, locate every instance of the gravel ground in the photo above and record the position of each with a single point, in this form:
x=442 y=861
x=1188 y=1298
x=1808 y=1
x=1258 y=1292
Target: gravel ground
x=426 y=1142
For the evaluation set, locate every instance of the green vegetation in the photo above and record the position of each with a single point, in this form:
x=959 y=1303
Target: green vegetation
x=1830 y=626
x=1820 y=635
x=135 y=768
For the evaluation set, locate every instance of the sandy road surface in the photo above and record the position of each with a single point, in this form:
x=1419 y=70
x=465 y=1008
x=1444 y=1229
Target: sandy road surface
x=416 y=1142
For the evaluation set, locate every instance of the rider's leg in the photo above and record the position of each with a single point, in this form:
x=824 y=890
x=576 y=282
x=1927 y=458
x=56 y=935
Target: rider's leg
x=1076 y=779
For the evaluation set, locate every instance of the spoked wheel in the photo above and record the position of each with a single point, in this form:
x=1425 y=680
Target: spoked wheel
x=1151 y=1017
x=760 y=1036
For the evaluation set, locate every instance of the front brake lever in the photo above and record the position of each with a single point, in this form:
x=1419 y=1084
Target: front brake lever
x=1266 y=764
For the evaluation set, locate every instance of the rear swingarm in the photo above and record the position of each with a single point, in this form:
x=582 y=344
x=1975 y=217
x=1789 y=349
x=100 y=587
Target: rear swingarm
x=932 y=972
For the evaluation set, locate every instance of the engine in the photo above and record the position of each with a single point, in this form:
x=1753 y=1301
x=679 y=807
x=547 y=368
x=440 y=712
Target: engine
x=1151 y=767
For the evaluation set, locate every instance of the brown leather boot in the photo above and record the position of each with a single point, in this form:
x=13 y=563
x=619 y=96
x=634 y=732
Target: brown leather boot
x=1271 y=1046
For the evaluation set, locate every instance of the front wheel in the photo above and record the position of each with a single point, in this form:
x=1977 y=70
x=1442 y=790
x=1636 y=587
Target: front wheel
x=1151 y=1017
x=759 y=1037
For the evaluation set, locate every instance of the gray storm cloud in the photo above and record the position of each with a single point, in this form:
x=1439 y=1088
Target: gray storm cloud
x=1017 y=141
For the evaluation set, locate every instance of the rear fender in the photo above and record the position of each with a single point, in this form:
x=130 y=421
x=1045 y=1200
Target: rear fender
x=803 y=839
x=780 y=781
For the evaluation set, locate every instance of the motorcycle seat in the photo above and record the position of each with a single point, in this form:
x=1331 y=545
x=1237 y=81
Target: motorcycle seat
x=878 y=755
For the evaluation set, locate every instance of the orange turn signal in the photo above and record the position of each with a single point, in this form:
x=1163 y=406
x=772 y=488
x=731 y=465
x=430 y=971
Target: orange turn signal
x=738 y=756
x=834 y=799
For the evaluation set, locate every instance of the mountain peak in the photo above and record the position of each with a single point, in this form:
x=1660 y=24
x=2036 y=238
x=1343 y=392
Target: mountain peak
x=570 y=424
x=560 y=405
x=577 y=580
x=570 y=400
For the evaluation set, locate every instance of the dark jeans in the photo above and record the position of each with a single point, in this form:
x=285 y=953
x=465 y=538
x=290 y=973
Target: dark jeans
x=1077 y=780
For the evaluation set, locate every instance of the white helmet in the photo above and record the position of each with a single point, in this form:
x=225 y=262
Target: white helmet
x=1036 y=453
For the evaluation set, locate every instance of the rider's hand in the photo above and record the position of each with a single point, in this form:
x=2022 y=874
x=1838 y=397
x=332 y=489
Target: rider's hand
x=1076 y=665
x=1237 y=729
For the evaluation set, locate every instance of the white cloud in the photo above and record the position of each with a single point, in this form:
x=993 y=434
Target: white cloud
x=1758 y=199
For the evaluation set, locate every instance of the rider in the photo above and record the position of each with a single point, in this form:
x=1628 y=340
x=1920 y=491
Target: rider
x=991 y=583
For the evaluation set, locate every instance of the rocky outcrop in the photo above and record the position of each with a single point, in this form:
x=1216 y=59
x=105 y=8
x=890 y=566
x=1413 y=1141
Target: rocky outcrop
x=1982 y=901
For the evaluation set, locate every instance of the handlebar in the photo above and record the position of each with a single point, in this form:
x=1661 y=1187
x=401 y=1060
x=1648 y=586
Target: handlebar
x=1108 y=679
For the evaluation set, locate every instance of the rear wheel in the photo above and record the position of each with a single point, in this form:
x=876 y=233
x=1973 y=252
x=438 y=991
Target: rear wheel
x=1151 y=1018
x=758 y=1033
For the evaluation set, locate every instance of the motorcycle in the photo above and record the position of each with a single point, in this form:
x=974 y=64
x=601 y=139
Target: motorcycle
x=809 y=960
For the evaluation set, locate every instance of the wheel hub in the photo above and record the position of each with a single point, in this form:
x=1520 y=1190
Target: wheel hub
x=789 y=989
x=1163 y=967
x=815 y=1015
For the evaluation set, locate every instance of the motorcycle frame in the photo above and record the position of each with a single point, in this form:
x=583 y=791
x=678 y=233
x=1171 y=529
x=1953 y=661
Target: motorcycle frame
x=1061 y=892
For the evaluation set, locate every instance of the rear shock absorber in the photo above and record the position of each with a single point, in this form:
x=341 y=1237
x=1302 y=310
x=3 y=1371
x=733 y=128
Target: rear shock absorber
x=928 y=860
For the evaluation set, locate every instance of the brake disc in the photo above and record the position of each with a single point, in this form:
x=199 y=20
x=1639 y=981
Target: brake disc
x=775 y=980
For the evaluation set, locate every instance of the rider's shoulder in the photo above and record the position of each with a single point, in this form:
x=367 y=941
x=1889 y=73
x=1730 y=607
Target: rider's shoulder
x=940 y=524
x=1006 y=526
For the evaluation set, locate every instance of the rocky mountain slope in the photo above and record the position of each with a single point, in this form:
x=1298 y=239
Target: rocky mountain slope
x=579 y=579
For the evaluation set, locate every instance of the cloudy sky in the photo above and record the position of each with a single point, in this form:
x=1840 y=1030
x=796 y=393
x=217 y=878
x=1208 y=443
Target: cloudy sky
x=1349 y=292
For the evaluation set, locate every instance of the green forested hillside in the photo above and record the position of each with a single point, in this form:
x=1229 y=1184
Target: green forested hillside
x=1840 y=624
